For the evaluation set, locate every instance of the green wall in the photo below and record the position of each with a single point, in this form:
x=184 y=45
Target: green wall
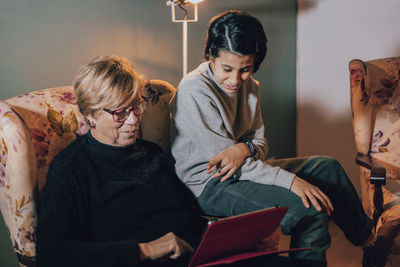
x=44 y=42
x=7 y=256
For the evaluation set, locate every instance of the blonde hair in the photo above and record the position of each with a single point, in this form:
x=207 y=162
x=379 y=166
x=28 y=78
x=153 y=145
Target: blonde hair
x=107 y=82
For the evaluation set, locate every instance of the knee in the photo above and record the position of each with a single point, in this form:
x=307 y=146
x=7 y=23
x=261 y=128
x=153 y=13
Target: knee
x=298 y=216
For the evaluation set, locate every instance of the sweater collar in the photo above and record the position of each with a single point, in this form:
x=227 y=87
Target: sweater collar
x=106 y=150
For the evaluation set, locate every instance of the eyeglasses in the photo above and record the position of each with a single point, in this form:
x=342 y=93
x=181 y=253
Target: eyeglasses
x=122 y=114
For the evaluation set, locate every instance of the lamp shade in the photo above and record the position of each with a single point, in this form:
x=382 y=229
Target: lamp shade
x=195 y=1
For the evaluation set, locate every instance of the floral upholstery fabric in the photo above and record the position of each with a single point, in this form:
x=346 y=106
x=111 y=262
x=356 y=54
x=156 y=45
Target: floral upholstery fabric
x=155 y=122
x=375 y=100
x=34 y=127
x=53 y=119
x=17 y=180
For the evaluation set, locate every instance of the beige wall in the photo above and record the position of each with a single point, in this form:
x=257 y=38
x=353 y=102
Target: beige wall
x=44 y=42
x=331 y=33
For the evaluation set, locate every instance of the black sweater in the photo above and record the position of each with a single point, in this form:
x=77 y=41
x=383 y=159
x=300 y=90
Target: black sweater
x=100 y=201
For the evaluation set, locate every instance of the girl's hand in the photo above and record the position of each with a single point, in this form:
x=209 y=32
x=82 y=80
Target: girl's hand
x=310 y=193
x=228 y=161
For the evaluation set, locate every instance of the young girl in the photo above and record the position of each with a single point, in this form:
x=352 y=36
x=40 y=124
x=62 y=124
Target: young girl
x=220 y=150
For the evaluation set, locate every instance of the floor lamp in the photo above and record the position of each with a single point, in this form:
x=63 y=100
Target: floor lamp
x=184 y=21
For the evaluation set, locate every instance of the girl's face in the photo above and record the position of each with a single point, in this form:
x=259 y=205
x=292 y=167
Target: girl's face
x=231 y=70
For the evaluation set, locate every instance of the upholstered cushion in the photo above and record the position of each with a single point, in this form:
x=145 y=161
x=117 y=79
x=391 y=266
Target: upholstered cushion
x=53 y=118
x=155 y=123
x=17 y=180
x=375 y=92
x=385 y=85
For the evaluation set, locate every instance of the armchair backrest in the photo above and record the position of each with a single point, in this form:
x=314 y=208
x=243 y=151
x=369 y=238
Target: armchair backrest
x=375 y=101
x=36 y=126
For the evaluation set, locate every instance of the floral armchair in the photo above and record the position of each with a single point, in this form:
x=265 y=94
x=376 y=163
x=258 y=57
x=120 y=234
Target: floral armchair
x=375 y=101
x=36 y=126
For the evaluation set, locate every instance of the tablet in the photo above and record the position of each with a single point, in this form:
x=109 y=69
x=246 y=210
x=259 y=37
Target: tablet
x=234 y=238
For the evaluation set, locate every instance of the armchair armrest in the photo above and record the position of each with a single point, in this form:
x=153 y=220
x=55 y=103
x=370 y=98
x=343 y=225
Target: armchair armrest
x=378 y=172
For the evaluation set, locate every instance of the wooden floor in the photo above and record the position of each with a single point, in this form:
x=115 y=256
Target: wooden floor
x=341 y=253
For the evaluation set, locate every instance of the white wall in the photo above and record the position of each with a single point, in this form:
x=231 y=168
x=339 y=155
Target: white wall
x=329 y=34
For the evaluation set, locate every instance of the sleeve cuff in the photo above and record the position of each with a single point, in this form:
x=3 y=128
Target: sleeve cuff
x=284 y=179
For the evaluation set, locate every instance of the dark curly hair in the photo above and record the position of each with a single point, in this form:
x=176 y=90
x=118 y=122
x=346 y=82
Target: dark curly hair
x=237 y=32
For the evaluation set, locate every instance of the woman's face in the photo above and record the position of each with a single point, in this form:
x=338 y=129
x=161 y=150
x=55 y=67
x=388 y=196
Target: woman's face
x=231 y=70
x=113 y=133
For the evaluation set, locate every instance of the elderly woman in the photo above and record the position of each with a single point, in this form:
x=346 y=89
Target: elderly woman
x=112 y=199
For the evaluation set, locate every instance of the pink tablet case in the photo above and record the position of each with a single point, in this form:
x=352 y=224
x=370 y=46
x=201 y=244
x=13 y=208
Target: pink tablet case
x=234 y=238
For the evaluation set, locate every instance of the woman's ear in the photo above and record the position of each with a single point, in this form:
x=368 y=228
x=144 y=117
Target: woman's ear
x=91 y=120
x=89 y=117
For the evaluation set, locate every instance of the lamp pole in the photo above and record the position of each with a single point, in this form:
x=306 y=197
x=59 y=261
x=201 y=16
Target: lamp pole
x=184 y=22
x=184 y=44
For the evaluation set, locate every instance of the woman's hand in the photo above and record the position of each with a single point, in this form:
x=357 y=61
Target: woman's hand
x=169 y=245
x=228 y=161
x=269 y=243
x=308 y=192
